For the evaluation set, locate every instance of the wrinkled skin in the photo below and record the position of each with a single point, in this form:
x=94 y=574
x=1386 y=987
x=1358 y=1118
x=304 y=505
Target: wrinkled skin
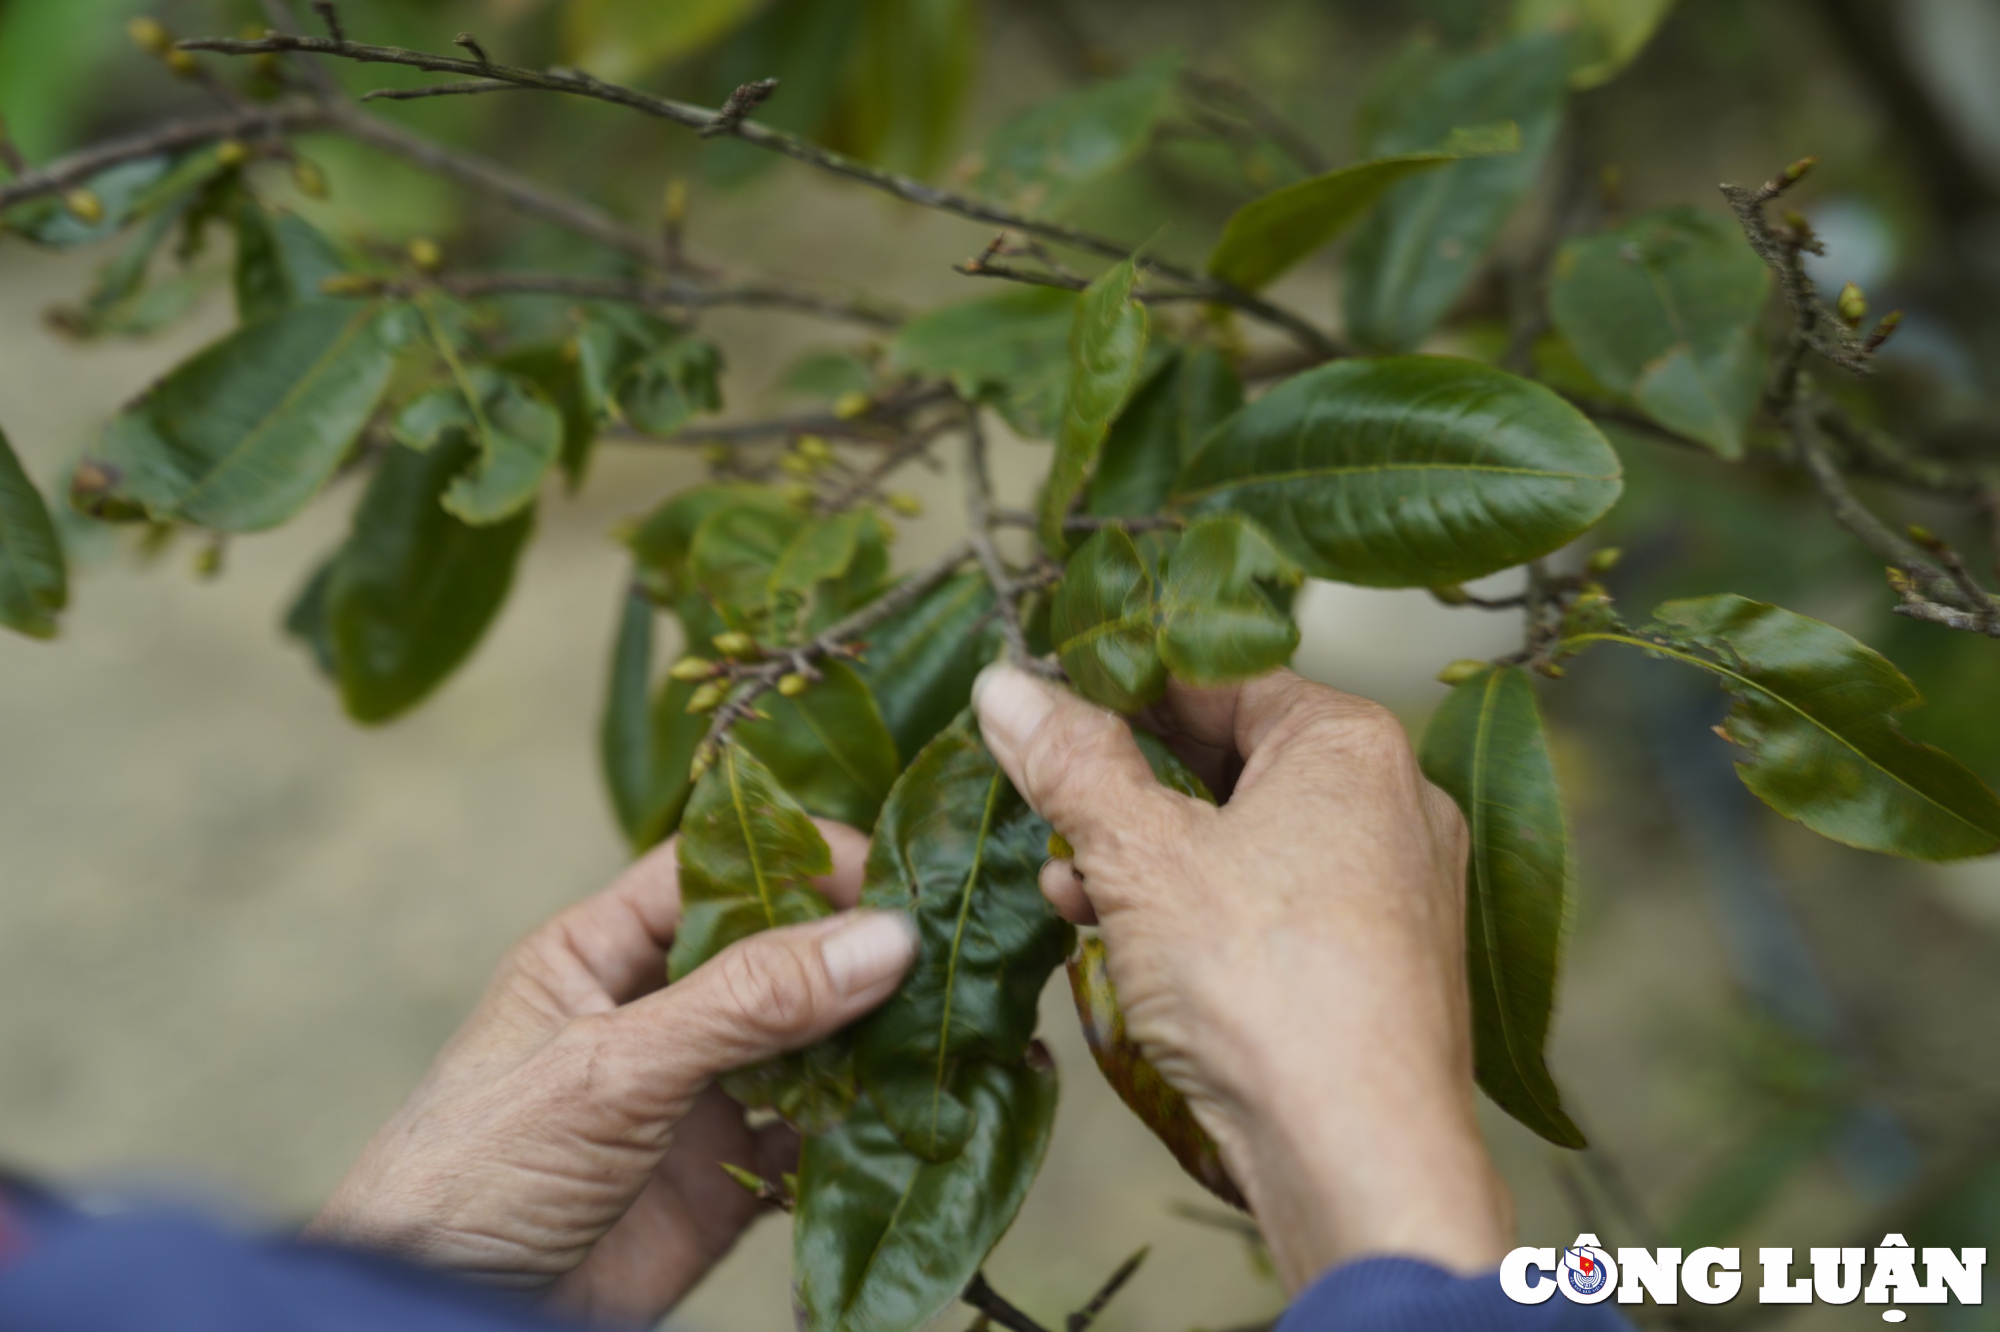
x=1293 y=961
x=568 y=1138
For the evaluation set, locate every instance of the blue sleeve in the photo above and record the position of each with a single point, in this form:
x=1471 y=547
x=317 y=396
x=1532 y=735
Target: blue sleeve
x=1405 y=1295
x=164 y=1272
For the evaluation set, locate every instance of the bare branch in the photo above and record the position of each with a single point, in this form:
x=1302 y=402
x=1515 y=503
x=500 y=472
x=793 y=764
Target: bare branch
x=749 y=131
x=1084 y=1317
x=996 y=1308
x=467 y=88
x=670 y=294
x=69 y=172
x=746 y=98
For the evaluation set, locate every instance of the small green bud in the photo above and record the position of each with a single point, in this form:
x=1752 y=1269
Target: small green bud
x=1452 y=595
x=851 y=404
x=150 y=35
x=1853 y=306
x=208 y=561
x=800 y=495
x=426 y=254
x=792 y=685
x=676 y=205
x=815 y=448
x=1796 y=172
x=1604 y=560
x=734 y=643
x=749 y=1179
x=85 y=206
x=182 y=63
x=1059 y=847
x=707 y=698
x=231 y=153
x=1890 y=323
x=904 y=503
x=704 y=759
x=797 y=464
x=309 y=178
x=1462 y=670
x=688 y=669
x=1923 y=536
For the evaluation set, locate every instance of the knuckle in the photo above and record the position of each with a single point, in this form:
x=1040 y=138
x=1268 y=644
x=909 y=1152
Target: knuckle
x=771 y=990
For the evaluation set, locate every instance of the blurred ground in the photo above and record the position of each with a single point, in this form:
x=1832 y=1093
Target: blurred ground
x=234 y=927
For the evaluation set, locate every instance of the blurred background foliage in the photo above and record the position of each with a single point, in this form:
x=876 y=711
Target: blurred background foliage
x=1770 y=1038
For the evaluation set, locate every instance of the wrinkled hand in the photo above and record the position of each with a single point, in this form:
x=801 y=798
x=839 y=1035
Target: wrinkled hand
x=1293 y=961
x=569 y=1135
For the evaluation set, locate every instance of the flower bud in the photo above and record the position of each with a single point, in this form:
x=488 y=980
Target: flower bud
x=800 y=495
x=1452 y=595
x=182 y=63
x=231 y=153
x=691 y=668
x=1462 y=670
x=797 y=464
x=851 y=404
x=735 y=643
x=792 y=685
x=426 y=254
x=1853 y=306
x=707 y=698
x=1059 y=847
x=815 y=448
x=150 y=35
x=84 y=206
x=1604 y=560
x=309 y=178
x=904 y=503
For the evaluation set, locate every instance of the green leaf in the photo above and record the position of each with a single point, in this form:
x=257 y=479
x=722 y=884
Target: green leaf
x=1139 y=1085
x=1039 y=161
x=960 y=851
x=121 y=191
x=281 y=260
x=735 y=551
x=828 y=747
x=665 y=389
x=1009 y=349
x=305 y=619
x=1608 y=34
x=518 y=430
x=625 y=734
x=1665 y=308
x=413 y=589
x=242 y=436
x=808 y=46
x=1101 y=620
x=1216 y=623
x=1417 y=251
x=1268 y=235
x=33 y=584
x=1485 y=747
x=1815 y=719
x=907 y=80
x=557 y=372
x=827 y=374
x=831 y=567
x=663 y=542
x=1192 y=390
x=1412 y=471
x=884 y=1240
x=1107 y=344
x=617 y=39
x=747 y=856
x=920 y=662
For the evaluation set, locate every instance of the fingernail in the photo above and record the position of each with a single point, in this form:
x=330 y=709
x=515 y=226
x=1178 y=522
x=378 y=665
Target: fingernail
x=869 y=948
x=1011 y=705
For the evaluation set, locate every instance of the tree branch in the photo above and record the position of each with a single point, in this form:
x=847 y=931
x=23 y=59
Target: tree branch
x=672 y=293
x=979 y=518
x=763 y=136
x=997 y=1308
x=76 y=169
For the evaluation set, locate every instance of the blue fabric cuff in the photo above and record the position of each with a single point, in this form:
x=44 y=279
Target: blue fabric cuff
x=1407 y=1295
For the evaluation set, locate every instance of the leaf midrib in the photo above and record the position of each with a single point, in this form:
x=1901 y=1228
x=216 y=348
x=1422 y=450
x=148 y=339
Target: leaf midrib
x=737 y=803
x=958 y=942
x=1312 y=473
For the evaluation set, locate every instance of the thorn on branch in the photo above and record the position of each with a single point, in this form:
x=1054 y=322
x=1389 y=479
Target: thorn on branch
x=747 y=98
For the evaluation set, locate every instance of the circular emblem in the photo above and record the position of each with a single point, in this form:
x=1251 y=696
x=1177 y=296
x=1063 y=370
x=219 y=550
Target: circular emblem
x=1587 y=1274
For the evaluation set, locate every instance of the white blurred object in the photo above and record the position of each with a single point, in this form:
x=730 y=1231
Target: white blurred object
x=1389 y=645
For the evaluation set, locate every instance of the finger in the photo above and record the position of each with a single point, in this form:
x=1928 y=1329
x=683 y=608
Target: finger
x=1063 y=886
x=1259 y=717
x=621 y=935
x=1075 y=763
x=773 y=992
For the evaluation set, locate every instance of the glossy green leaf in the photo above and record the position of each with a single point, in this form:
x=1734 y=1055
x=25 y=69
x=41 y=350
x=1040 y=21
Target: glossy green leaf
x=33 y=583
x=733 y=555
x=1607 y=34
x=1485 y=747
x=747 y=856
x=1145 y=1092
x=242 y=436
x=827 y=375
x=1417 y=251
x=828 y=747
x=121 y=300
x=1009 y=349
x=1107 y=344
x=1268 y=235
x=518 y=430
x=627 y=752
x=1041 y=159
x=1216 y=624
x=281 y=260
x=959 y=851
x=1102 y=623
x=663 y=542
x=1665 y=308
x=617 y=39
x=665 y=389
x=305 y=619
x=1815 y=719
x=920 y=662
x=556 y=371
x=413 y=589
x=1192 y=390
x=832 y=566
x=910 y=70
x=884 y=1240
x=1412 y=471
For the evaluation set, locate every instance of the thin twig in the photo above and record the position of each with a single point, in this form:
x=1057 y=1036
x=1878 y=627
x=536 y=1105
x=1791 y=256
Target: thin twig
x=469 y=87
x=979 y=518
x=986 y=268
x=745 y=98
x=1084 y=1317
x=673 y=293
x=763 y=136
x=1262 y=115
x=68 y=172
x=997 y=1308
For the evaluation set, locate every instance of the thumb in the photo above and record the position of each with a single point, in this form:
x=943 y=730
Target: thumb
x=1076 y=763
x=773 y=992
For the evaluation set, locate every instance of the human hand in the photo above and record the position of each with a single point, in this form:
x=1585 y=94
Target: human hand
x=1293 y=961
x=569 y=1136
